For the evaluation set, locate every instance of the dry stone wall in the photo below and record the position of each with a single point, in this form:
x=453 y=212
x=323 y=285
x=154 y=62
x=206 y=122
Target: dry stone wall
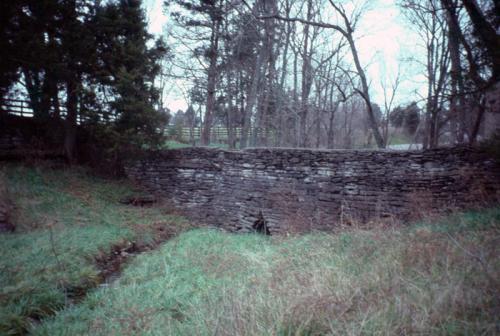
x=315 y=189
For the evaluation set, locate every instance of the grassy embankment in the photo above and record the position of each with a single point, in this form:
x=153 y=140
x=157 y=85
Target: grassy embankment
x=438 y=277
x=65 y=219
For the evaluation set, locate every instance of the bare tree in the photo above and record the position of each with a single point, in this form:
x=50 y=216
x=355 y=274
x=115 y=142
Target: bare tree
x=389 y=95
x=346 y=28
x=431 y=26
x=212 y=77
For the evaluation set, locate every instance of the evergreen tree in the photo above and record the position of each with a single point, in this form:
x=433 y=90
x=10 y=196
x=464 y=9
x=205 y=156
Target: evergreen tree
x=128 y=68
x=94 y=58
x=407 y=117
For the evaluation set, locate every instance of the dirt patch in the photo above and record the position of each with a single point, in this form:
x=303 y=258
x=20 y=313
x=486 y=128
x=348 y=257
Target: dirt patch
x=139 y=200
x=111 y=263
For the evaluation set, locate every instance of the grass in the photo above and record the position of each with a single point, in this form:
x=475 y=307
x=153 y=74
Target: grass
x=65 y=218
x=438 y=277
x=172 y=144
x=399 y=139
x=428 y=279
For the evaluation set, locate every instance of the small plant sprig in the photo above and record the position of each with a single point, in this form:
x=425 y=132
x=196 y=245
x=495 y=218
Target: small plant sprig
x=51 y=225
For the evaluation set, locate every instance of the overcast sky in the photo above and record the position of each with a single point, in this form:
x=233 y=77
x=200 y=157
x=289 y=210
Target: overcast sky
x=383 y=39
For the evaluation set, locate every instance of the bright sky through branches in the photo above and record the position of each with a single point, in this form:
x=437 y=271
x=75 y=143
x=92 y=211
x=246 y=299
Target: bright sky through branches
x=384 y=40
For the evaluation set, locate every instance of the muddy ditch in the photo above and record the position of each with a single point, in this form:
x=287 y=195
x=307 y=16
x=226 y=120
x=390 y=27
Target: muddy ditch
x=111 y=261
x=111 y=264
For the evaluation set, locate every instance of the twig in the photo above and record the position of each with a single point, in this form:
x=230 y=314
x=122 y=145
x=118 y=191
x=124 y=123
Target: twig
x=53 y=247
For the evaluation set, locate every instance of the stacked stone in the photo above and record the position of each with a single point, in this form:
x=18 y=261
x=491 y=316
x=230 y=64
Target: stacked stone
x=315 y=189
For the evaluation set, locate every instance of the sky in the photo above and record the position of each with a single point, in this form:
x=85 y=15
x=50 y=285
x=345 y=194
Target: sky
x=384 y=39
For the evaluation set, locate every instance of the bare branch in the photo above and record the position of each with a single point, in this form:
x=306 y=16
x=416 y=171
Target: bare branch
x=303 y=21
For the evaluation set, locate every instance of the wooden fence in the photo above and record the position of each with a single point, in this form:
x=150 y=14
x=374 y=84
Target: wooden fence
x=22 y=108
x=17 y=107
x=217 y=133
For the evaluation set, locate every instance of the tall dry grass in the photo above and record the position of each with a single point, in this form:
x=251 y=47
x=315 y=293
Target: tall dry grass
x=430 y=279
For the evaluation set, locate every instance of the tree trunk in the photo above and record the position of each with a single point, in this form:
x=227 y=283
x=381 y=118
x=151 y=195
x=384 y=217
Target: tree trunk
x=231 y=137
x=280 y=106
x=70 y=126
x=365 y=92
x=211 y=84
x=486 y=33
x=457 y=105
x=295 y=107
x=33 y=86
x=331 y=131
x=477 y=123
x=231 y=93
x=251 y=100
x=306 y=79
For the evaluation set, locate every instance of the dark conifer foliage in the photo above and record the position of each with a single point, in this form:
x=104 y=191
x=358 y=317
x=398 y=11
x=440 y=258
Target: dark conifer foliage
x=85 y=62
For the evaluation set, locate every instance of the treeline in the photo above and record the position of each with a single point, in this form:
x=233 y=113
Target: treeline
x=285 y=72
x=84 y=61
x=288 y=73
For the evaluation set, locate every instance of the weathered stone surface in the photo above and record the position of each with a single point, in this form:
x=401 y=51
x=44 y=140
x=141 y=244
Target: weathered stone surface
x=315 y=188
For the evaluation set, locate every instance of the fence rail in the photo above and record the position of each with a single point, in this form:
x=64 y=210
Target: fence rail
x=217 y=130
x=217 y=133
x=23 y=108
x=17 y=107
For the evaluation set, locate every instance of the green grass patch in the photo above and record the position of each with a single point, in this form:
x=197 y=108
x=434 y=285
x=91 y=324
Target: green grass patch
x=433 y=278
x=399 y=139
x=172 y=144
x=64 y=218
